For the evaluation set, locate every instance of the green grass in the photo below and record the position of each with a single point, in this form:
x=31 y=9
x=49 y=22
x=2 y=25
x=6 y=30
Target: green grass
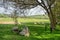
x=37 y=32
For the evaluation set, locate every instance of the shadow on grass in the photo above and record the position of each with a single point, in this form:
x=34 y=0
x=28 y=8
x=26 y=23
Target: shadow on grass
x=37 y=32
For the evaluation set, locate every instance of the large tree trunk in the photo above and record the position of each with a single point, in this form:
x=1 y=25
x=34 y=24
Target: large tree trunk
x=52 y=20
x=49 y=11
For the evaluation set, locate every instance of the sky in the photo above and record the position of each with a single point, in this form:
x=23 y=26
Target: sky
x=34 y=11
x=37 y=11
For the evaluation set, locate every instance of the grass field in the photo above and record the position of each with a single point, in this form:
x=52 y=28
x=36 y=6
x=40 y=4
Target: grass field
x=39 y=31
x=23 y=20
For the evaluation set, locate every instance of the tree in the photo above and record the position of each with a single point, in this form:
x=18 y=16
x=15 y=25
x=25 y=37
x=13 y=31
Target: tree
x=47 y=5
x=15 y=18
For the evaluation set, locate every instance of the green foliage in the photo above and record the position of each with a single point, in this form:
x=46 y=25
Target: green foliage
x=4 y=15
x=57 y=10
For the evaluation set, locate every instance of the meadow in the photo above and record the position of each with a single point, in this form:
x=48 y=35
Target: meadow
x=39 y=29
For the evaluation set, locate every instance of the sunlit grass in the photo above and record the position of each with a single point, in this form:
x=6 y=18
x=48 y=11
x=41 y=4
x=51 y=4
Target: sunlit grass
x=23 y=20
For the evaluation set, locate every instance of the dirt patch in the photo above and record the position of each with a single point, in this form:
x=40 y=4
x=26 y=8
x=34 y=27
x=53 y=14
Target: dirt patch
x=7 y=23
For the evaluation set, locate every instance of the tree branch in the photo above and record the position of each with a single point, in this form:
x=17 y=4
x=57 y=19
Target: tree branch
x=44 y=6
x=52 y=2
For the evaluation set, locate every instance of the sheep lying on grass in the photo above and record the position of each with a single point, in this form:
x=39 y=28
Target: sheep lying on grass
x=23 y=32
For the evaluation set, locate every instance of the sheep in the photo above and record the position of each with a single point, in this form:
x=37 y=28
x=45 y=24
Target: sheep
x=15 y=29
x=24 y=32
